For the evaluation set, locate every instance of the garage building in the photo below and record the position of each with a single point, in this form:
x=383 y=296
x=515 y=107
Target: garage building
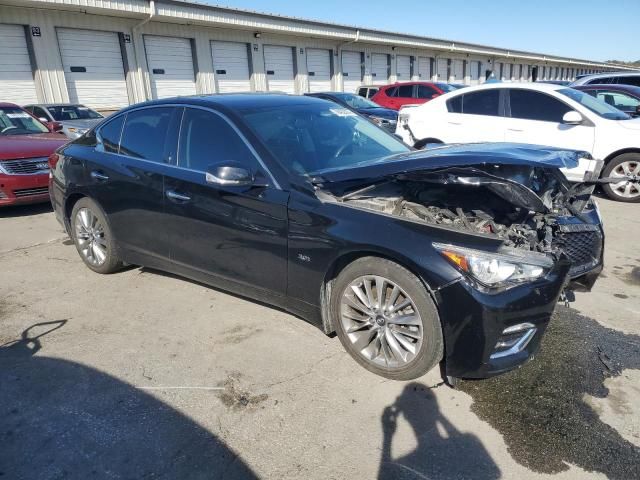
x=110 y=53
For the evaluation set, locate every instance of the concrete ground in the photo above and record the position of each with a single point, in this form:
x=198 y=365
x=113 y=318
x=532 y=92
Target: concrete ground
x=144 y=375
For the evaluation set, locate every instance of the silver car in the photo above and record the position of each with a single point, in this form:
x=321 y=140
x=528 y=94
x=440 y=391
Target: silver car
x=75 y=119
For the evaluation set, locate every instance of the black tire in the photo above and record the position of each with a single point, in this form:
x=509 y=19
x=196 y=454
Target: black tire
x=615 y=165
x=111 y=262
x=431 y=350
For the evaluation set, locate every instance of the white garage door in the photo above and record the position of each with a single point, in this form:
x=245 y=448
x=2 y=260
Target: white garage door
x=231 y=66
x=443 y=76
x=93 y=68
x=16 y=76
x=379 y=68
x=474 y=72
x=319 y=69
x=278 y=65
x=351 y=71
x=170 y=63
x=424 y=69
x=457 y=71
x=403 y=68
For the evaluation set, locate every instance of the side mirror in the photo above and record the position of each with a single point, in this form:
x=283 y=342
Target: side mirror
x=572 y=118
x=54 y=126
x=637 y=114
x=229 y=174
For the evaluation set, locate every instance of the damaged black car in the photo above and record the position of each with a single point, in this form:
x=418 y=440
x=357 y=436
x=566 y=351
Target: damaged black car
x=455 y=256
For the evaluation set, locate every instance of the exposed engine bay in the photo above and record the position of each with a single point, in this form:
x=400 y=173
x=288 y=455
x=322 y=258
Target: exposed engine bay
x=517 y=203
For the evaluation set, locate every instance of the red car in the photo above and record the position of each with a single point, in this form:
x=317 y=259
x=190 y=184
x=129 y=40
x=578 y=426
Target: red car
x=25 y=146
x=409 y=93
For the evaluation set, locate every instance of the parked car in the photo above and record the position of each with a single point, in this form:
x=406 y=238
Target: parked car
x=75 y=119
x=624 y=78
x=383 y=117
x=368 y=91
x=410 y=93
x=410 y=256
x=625 y=98
x=535 y=113
x=25 y=145
x=555 y=82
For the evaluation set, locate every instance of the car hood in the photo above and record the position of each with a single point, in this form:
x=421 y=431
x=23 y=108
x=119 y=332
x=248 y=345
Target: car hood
x=469 y=164
x=632 y=124
x=29 y=146
x=380 y=112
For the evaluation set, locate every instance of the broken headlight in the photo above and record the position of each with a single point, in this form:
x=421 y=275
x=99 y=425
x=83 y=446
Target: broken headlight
x=496 y=269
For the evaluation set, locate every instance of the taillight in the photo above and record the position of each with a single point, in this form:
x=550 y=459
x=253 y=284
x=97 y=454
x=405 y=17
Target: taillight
x=54 y=158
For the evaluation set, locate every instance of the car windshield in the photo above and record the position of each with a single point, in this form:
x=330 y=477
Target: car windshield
x=447 y=87
x=15 y=121
x=312 y=137
x=356 y=101
x=598 y=107
x=61 y=113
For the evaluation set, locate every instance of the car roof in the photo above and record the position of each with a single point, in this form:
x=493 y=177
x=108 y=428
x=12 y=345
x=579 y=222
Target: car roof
x=7 y=104
x=235 y=101
x=610 y=86
x=611 y=74
x=540 y=87
x=54 y=105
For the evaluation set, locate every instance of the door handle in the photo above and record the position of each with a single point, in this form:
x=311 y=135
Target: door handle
x=455 y=123
x=515 y=129
x=177 y=197
x=99 y=176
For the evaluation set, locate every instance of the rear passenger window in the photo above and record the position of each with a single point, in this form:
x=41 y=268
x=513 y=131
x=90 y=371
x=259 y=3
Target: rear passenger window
x=206 y=138
x=454 y=105
x=145 y=133
x=485 y=102
x=531 y=105
x=426 y=92
x=635 y=81
x=405 y=91
x=110 y=134
x=391 y=92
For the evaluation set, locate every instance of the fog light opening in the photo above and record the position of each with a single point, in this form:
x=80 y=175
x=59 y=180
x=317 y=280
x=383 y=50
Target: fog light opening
x=513 y=340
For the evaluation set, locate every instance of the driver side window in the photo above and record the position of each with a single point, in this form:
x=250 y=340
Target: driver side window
x=207 y=138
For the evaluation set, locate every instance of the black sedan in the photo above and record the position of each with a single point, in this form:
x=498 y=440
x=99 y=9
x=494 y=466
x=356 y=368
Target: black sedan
x=625 y=98
x=456 y=254
x=381 y=116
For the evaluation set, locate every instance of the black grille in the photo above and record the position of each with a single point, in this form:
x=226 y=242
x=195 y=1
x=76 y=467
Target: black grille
x=27 y=192
x=27 y=166
x=582 y=247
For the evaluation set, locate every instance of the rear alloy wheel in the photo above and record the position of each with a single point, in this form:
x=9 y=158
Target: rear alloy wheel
x=386 y=320
x=92 y=237
x=627 y=168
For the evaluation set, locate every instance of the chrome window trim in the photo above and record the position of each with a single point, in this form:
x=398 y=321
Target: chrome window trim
x=175 y=165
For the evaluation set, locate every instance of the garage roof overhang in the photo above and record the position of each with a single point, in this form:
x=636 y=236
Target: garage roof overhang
x=189 y=12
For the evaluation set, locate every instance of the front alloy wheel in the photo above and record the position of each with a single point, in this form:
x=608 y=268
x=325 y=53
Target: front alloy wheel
x=386 y=319
x=627 y=168
x=381 y=321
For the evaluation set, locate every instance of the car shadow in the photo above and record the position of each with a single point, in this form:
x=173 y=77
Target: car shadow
x=443 y=452
x=61 y=419
x=25 y=210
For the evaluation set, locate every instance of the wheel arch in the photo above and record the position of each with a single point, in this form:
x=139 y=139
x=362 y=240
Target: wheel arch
x=346 y=258
x=622 y=151
x=69 y=203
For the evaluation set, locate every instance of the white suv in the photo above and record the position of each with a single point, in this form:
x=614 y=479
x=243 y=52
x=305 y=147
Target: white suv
x=533 y=113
